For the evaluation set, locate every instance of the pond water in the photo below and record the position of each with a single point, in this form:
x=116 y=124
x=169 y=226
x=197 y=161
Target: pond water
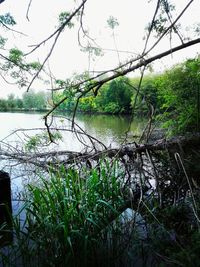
x=108 y=129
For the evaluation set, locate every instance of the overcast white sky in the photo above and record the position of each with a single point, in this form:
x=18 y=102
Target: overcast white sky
x=132 y=16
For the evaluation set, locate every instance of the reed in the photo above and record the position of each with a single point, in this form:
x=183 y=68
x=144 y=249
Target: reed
x=67 y=217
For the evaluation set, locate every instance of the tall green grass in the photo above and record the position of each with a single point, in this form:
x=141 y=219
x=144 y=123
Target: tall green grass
x=67 y=218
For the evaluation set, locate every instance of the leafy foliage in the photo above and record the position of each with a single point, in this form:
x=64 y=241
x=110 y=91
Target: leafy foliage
x=63 y=17
x=41 y=140
x=35 y=100
x=2 y=41
x=112 y=22
x=178 y=91
x=15 y=56
x=7 y=19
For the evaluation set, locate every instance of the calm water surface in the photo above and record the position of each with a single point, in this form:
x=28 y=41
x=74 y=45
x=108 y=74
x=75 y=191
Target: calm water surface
x=108 y=129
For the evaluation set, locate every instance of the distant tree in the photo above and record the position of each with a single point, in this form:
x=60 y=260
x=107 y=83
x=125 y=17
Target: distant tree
x=118 y=96
x=33 y=100
x=41 y=100
x=19 y=103
x=3 y=105
x=87 y=104
x=28 y=100
x=148 y=96
x=11 y=101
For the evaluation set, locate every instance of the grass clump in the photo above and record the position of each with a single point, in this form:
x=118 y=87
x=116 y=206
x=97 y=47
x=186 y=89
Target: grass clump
x=67 y=218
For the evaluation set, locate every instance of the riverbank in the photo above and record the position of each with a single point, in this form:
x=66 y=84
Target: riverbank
x=22 y=110
x=64 y=111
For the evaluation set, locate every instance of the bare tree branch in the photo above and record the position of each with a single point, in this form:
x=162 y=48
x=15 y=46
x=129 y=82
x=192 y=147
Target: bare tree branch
x=27 y=12
x=10 y=29
x=59 y=29
x=57 y=34
x=151 y=26
x=170 y=27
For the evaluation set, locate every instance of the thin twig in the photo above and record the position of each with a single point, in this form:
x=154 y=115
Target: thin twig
x=27 y=12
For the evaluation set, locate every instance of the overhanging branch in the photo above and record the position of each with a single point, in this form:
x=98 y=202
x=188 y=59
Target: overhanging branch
x=119 y=72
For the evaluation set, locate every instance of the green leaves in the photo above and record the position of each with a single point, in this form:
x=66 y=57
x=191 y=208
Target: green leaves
x=41 y=140
x=118 y=96
x=7 y=19
x=34 y=65
x=178 y=95
x=112 y=22
x=2 y=41
x=15 y=55
x=16 y=67
x=163 y=19
x=63 y=18
x=93 y=51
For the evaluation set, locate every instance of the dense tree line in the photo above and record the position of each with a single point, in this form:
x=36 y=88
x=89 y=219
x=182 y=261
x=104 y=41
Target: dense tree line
x=29 y=101
x=171 y=97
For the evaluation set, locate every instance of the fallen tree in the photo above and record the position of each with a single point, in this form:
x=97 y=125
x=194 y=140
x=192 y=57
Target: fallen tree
x=179 y=144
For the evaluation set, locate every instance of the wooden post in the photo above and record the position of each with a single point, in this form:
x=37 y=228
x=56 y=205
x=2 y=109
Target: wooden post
x=5 y=209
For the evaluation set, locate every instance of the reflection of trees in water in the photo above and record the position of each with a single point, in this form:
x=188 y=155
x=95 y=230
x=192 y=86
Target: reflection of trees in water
x=109 y=127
